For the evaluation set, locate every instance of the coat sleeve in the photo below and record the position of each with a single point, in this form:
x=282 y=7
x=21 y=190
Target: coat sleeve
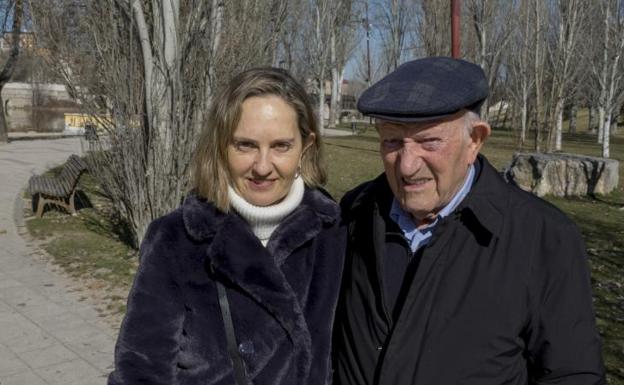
x=562 y=340
x=149 y=337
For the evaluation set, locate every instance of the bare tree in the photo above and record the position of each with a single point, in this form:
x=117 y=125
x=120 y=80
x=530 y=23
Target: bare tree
x=342 y=45
x=368 y=68
x=569 y=18
x=147 y=70
x=607 y=69
x=539 y=63
x=493 y=33
x=316 y=52
x=393 y=20
x=432 y=28
x=290 y=40
x=14 y=9
x=518 y=59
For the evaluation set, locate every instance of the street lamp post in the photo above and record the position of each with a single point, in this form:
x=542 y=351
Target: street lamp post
x=455 y=28
x=368 y=66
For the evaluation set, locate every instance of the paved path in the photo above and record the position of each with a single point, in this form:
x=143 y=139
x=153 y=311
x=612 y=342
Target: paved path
x=47 y=335
x=333 y=132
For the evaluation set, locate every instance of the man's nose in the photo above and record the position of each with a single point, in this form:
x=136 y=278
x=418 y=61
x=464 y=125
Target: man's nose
x=410 y=159
x=262 y=163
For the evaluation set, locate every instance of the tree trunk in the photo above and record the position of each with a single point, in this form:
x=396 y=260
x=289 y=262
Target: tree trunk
x=524 y=71
x=606 y=136
x=601 y=121
x=524 y=114
x=591 y=123
x=515 y=123
x=4 y=131
x=339 y=95
x=603 y=75
x=216 y=26
x=558 y=124
x=146 y=50
x=485 y=108
x=572 y=117
x=505 y=112
x=538 y=80
x=333 y=109
x=9 y=65
x=321 y=106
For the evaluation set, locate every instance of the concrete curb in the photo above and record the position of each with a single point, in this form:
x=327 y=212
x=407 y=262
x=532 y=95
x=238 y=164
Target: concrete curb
x=18 y=212
x=15 y=138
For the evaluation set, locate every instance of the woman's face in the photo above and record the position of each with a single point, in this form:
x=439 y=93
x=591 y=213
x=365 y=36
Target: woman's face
x=266 y=150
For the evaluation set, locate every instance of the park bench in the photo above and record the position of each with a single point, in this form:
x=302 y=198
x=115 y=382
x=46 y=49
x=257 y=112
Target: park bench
x=58 y=190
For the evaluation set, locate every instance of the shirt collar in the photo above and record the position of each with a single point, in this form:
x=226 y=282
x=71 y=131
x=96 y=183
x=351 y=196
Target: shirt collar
x=406 y=223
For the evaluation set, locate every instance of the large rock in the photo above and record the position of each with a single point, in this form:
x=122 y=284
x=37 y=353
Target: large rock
x=563 y=174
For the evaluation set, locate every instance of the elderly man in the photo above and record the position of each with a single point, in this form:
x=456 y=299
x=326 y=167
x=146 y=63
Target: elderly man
x=452 y=275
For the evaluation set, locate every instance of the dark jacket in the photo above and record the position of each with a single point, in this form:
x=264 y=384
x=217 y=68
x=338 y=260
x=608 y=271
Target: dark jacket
x=501 y=295
x=282 y=298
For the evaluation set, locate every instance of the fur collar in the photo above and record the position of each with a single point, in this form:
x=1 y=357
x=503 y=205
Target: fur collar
x=202 y=219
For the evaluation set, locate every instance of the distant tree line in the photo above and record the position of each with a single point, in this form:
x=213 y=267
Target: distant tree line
x=543 y=58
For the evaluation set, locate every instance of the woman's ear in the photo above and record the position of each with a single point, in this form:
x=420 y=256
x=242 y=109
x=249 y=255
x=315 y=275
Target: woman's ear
x=309 y=141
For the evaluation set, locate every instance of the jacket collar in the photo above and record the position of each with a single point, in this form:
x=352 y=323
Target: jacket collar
x=489 y=197
x=202 y=219
x=316 y=211
x=486 y=201
x=237 y=256
x=377 y=192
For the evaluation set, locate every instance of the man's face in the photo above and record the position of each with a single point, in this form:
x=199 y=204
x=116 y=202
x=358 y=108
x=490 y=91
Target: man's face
x=427 y=163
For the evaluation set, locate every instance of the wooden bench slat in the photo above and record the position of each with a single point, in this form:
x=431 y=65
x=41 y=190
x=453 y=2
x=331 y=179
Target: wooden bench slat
x=46 y=187
x=62 y=189
x=53 y=188
x=69 y=171
x=65 y=186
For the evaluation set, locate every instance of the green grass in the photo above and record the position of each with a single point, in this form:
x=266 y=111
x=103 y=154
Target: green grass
x=351 y=160
x=90 y=246
x=602 y=223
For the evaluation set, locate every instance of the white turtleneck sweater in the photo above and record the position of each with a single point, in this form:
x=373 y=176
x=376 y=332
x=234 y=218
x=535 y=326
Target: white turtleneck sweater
x=265 y=219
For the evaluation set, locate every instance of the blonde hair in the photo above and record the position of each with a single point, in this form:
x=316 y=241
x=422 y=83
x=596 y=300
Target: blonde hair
x=209 y=169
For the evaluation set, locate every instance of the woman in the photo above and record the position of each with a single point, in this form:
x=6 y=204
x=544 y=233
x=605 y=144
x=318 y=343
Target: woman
x=239 y=285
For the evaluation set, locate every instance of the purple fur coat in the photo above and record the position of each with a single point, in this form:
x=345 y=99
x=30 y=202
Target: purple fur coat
x=282 y=298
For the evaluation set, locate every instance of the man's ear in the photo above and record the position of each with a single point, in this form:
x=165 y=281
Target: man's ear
x=480 y=132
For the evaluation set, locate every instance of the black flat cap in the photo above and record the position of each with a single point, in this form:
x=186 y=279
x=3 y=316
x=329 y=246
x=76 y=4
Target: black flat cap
x=426 y=89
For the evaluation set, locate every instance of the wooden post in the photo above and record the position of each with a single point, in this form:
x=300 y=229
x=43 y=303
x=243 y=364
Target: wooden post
x=455 y=29
x=368 y=63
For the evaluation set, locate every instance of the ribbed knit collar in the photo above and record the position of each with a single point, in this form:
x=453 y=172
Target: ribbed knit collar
x=265 y=219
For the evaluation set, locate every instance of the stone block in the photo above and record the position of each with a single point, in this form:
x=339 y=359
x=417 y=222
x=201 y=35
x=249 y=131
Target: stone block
x=563 y=174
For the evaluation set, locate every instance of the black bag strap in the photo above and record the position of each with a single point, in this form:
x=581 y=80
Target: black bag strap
x=240 y=374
